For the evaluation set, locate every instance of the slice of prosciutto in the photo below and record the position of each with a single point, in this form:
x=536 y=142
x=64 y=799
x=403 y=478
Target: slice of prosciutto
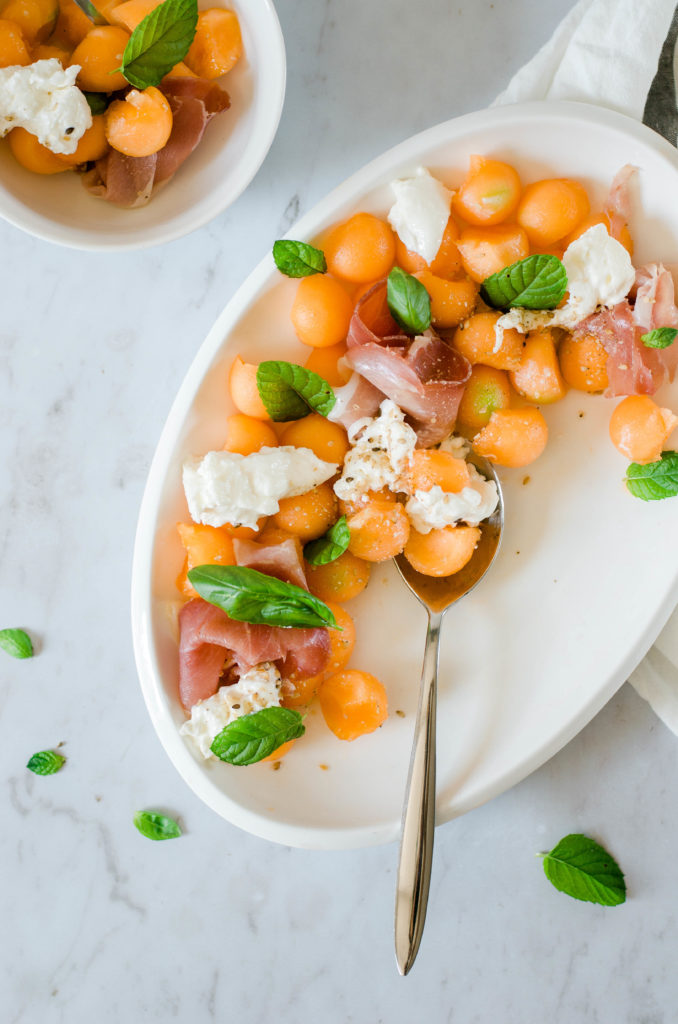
x=355 y=400
x=632 y=368
x=282 y=560
x=123 y=180
x=617 y=206
x=655 y=307
x=422 y=375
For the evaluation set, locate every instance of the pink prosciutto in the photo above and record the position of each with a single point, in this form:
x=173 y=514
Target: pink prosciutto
x=655 y=307
x=618 y=203
x=632 y=368
x=355 y=400
x=423 y=375
x=282 y=560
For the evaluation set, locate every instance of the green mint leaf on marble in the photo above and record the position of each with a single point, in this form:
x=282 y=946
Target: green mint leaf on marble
x=46 y=762
x=661 y=337
x=330 y=546
x=248 y=595
x=159 y=41
x=408 y=301
x=156 y=826
x=654 y=480
x=581 y=868
x=97 y=101
x=251 y=738
x=298 y=259
x=16 y=642
x=537 y=282
x=290 y=392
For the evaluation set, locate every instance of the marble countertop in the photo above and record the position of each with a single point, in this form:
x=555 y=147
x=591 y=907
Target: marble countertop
x=97 y=922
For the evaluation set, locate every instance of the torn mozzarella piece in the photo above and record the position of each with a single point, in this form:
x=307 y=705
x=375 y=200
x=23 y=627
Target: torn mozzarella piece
x=435 y=509
x=420 y=213
x=380 y=456
x=44 y=99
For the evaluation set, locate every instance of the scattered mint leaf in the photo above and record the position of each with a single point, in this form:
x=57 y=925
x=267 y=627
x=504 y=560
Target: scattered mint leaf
x=156 y=826
x=661 y=337
x=46 y=762
x=97 y=101
x=298 y=259
x=251 y=738
x=408 y=300
x=290 y=392
x=251 y=596
x=159 y=41
x=655 y=480
x=328 y=547
x=581 y=868
x=16 y=642
x=537 y=282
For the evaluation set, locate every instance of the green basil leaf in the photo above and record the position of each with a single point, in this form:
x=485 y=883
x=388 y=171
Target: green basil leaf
x=159 y=41
x=661 y=337
x=251 y=738
x=97 y=101
x=92 y=13
x=156 y=826
x=16 y=642
x=298 y=259
x=581 y=868
x=537 y=282
x=251 y=596
x=46 y=762
x=408 y=300
x=290 y=392
x=655 y=480
x=328 y=547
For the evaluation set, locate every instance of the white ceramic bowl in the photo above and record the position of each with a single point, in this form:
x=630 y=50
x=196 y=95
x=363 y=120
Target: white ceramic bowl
x=58 y=209
x=586 y=576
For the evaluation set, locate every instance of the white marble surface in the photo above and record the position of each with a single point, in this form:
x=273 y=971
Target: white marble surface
x=100 y=924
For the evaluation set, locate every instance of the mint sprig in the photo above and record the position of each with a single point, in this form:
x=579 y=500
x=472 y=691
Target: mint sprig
x=581 y=868
x=537 y=282
x=248 y=595
x=298 y=259
x=661 y=337
x=160 y=40
x=46 y=762
x=96 y=101
x=330 y=546
x=251 y=738
x=408 y=301
x=16 y=642
x=156 y=826
x=290 y=391
x=654 y=480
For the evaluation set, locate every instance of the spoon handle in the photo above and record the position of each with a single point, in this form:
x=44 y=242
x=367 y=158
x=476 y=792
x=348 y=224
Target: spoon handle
x=416 y=844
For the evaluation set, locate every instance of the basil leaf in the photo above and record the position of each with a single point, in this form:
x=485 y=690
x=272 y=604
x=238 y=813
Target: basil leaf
x=661 y=337
x=251 y=596
x=156 y=826
x=46 y=762
x=290 y=391
x=655 y=480
x=97 y=101
x=328 y=547
x=92 y=13
x=298 y=259
x=537 y=282
x=251 y=738
x=408 y=300
x=16 y=642
x=159 y=41
x=581 y=868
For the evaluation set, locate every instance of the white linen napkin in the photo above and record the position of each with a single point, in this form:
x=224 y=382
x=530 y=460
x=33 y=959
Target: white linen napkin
x=620 y=54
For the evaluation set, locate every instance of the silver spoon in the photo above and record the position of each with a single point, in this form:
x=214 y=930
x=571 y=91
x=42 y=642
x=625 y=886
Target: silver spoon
x=436 y=594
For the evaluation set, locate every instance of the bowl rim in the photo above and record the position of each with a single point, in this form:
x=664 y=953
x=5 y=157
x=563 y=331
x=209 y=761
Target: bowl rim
x=368 y=177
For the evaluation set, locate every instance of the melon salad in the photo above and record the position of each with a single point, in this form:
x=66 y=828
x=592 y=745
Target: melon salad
x=446 y=326
x=105 y=94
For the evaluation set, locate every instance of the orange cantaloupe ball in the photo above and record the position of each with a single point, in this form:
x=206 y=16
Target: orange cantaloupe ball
x=325 y=362
x=128 y=15
x=583 y=362
x=451 y=301
x=360 y=249
x=447 y=262
x=476 y=339
x=298 y=692
x=639 y=428
x=13 y=47
x=353 y=703
x=487 y=390
x=32 y=155
x=327 y=440
x=308 y=515
x=379 y=531
x=99 y=55
x=217 y=46
x=441 y=552
x=486 y=251
x=349 y=506
x=247 y=532
x=489 y=194
x=538 y=378
x=321 y=311
x=92 y=146
x=340 y=580
x=48 y=51
x=551 y=209
x=245 y=434
x=513 y=437
x=140 y=124
x=204 y=545
x=434 y=468
x=35 y=18
x=72 y=25
x=242 y=384
x=590 y=222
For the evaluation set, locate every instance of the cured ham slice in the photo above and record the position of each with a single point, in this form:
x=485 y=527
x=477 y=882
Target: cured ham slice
x=282 y=560
x=422 y=375
x=123 y=180
x=655 y=307
x=618 y=203
x=632 y=369
x=355 y=401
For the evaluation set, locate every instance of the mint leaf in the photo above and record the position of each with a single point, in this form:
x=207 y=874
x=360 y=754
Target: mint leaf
x=328 y=547
x=661 y=337
x=581 y=868
x=156 y=826
x=408 y=300
x=298 y=259
x=46 y=762
x=251 y=738
x=97 y=101
x=654 y=480
x=248 y=595
x=537 y=282
x=16 y=642
x=159 y=41
x=290 y=391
